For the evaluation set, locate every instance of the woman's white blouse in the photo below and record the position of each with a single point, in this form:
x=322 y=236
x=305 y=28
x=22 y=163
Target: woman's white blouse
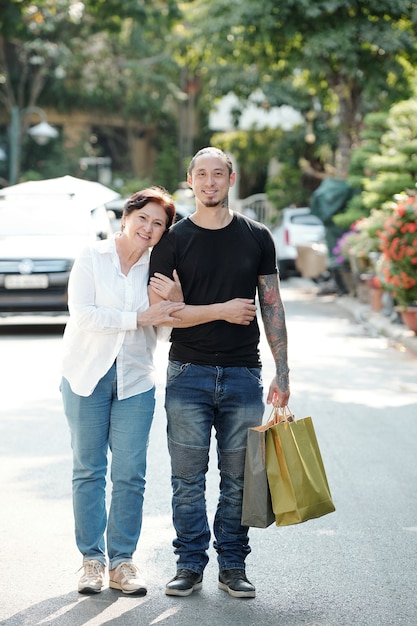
x=103 y=303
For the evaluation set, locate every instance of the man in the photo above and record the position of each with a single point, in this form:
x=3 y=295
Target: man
x=214 y=372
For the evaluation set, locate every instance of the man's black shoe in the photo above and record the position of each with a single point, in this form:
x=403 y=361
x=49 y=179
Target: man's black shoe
x=236 y=584
x=184 y=583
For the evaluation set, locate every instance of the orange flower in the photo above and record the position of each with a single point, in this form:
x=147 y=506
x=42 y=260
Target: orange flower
x=398 y=244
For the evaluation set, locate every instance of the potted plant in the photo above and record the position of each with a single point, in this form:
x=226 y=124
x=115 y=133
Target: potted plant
x=398 y=245
x=360 y=247
x=360 y=244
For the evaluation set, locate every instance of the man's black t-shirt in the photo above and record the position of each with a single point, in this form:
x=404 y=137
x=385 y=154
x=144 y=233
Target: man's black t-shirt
x=216 y=266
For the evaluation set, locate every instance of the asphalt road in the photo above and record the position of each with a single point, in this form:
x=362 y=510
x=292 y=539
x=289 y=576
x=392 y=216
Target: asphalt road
x=355 y=567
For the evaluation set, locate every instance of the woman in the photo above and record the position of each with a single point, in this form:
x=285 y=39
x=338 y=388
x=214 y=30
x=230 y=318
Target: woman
x=108 y=387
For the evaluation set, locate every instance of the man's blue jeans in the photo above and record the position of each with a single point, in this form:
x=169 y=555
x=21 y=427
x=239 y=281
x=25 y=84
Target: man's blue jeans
x=199 y=398
x=99 y=422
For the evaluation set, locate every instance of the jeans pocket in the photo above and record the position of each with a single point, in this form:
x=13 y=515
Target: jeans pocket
x=255 y=372
x=175 y=369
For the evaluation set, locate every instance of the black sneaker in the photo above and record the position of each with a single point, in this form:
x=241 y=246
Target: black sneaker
x=184 y=583
x=236 y=584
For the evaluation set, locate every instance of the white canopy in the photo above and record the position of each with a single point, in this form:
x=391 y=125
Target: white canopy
x=84 y=192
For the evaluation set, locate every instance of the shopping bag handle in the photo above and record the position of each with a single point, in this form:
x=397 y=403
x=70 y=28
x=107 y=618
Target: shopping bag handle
x=281 y=414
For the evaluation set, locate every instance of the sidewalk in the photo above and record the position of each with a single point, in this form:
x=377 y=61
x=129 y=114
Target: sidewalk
x=377 y=323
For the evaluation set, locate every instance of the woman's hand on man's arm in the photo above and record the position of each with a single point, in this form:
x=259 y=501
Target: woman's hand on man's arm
x=237 y=311
x=167 y=288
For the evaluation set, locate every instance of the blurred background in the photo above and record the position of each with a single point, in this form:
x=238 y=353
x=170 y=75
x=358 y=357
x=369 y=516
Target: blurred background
x=315 y=103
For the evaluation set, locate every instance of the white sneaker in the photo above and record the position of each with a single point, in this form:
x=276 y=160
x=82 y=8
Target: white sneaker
x=93 y=578
x=126 y=578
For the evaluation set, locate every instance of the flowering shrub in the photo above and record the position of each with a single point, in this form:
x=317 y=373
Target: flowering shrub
x=398 y=244
x=362 y=238
x=344 y=245
x=374 y=282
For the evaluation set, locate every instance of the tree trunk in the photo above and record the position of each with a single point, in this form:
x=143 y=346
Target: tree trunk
x=349 y=97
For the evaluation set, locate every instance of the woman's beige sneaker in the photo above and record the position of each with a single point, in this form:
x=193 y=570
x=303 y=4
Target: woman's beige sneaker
x=126 y=578
x=92 y=580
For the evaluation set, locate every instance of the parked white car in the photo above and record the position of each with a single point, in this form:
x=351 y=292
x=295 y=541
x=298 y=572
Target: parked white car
x=39 y=240
x=298 y=227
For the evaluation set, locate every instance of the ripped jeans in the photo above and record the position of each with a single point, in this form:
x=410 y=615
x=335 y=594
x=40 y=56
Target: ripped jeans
x=198 y=398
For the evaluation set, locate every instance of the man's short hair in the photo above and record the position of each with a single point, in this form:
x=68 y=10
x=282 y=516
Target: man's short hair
x=210 y=150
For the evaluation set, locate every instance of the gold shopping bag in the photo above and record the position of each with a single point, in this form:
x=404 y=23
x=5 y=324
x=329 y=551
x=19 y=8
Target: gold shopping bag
x=256 y=505
x=296 y=475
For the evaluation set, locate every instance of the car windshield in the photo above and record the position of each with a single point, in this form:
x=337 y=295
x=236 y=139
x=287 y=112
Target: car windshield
x=307 y=219
x=60 y=218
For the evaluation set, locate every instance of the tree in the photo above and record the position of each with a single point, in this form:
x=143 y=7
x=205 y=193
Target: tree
x=374 y=126
x=394 y=168
x=92 y=55
x=385 y=163
x=347 y=57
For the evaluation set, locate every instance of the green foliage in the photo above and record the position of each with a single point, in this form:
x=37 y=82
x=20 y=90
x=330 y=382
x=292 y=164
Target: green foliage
x=109 y=14
x=354 y=211
x=287 y=188
x=384 y=185
x=166 y=171
x=337 y=59
x=352 y=57
x=98 y=54
x=394 y=167
x=385 y=163
x=301 y=165
x=360 y=205
x=253 y=151
x=49 y=161
x=131 y=184
x=127 y=69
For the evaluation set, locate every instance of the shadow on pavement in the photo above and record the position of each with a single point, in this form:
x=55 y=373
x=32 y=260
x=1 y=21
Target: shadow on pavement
x=110 y=607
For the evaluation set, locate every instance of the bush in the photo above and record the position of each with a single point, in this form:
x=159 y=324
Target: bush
x=398 y=244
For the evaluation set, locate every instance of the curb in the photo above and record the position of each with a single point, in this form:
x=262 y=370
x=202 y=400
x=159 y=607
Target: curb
x=378 y=322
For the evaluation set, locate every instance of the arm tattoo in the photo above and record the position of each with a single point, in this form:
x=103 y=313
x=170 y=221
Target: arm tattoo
x=273 y=317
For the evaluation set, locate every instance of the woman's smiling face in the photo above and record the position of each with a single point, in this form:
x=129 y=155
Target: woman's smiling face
x=145 y=226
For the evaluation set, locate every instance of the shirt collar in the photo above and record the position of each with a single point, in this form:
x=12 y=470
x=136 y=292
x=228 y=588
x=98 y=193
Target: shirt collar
x=108 y=246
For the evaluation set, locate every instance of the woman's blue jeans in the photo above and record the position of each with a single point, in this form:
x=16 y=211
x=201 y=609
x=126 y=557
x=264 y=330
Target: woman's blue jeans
x=98 y=423
x=199 y=398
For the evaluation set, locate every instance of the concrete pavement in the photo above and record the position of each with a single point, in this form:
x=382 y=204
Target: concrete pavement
x=379 y=323
x=354 y=567
x=383 y=323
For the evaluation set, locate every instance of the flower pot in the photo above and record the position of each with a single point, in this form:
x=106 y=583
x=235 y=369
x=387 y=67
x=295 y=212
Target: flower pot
x=362 y=291
x=375 y=298
x=349 y=280
x=359 y=264
x=409 y=318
